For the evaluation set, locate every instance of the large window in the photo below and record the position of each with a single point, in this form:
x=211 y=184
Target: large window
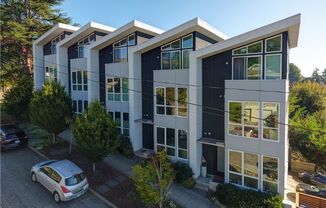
x=175 y=55
x=117 y=89
x=79 y=106
x=244 y=118
x=82 y=45
x=270 y=121
x=51 y=73
x=79 y=80
x=247 y=60
x=120 y=48
x=168 y=97
x=122 y=121
x=270 y=174
x=243 y=169
x=174 y=142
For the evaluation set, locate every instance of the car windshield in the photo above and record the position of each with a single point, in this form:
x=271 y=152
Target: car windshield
x=11 y=136
x=75 y=179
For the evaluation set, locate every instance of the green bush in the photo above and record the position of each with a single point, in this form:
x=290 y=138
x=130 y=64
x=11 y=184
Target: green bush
x=182 y=172
x=232 y=196
x=125 y=147
x=188 y=183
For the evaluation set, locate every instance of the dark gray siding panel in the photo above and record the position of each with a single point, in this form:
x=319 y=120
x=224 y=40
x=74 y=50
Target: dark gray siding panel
x=105 y=56
x=216 y=69
x=72 y=53
x=149 y=61
x=285 y=63
x=210 y=154
x=148 y=136
x=47 y=49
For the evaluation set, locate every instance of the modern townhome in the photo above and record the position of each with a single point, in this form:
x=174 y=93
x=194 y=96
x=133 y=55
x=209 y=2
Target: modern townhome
x=208 y=100
x=72 y=62
x=45 y=51
x=109 y=70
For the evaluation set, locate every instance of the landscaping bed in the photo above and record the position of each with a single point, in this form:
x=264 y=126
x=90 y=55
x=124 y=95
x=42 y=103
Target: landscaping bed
x=110 y=183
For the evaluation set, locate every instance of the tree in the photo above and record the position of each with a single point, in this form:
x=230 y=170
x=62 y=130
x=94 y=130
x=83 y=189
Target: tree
x=23 y=21
x=308 y=121
x=95 y=133
x=50 y=108
x=294 y=74
x=315 y=75
x=17 y=98
x=154 y=179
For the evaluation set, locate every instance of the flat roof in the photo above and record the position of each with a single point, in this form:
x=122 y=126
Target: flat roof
x=123 y=31
x=196 y=24
x=54 y=32
x=290 y=24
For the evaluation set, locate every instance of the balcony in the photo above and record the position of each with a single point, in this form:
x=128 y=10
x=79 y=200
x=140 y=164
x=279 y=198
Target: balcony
x=117 y=69
x=173 y=76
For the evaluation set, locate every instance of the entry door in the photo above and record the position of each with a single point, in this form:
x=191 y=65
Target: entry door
x=148 y=136
x=210 y=154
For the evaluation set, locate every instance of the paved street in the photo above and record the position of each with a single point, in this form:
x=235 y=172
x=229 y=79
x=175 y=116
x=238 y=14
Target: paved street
x=17 y=189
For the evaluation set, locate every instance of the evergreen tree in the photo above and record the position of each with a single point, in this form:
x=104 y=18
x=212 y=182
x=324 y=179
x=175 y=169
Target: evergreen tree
x=22 y=22
x=294 y=74
x=95 y=133
x=50 y=108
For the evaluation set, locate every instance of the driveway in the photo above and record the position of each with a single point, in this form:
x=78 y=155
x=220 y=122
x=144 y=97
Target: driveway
x=17 y=189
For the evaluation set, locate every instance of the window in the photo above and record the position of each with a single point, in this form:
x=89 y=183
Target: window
x=166 y=140
x=117 y=89
x=175 y=55
x=270 y=174
x=249 y=49
x=47 y=171
x=251 y=119
x=182 y=102
x=243 y=169
x=166 y=101
x=79 y=106
x=270 y=121
x=79 y=80
x=82 y=45
x=55 y=176
x=273 y=66
x=239 y=69
x=253 y=67
x=235 y=121
x=51 y=74
x=53 y=46
x=182 y=144
x=274 y=44
x=120 y=48
x=122 y=122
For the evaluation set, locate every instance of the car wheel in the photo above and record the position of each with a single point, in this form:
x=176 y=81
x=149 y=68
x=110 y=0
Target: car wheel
x=56 y=197
x=33 y=176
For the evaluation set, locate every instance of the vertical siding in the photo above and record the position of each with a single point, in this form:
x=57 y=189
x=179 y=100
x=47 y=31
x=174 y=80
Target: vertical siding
x=105 y=56
x=47 y=49
x=216 y=69
x=72 y=53
x=285 y=51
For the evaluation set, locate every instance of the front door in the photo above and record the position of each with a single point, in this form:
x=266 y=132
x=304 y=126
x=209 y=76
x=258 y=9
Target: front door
x=148 y=136
x=210 y=154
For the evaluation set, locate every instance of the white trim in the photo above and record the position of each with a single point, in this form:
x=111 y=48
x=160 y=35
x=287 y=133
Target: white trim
x=281 y=43
x=265 y=64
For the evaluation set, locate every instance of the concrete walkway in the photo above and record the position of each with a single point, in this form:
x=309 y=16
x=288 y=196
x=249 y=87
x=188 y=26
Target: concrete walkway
x=187 y=198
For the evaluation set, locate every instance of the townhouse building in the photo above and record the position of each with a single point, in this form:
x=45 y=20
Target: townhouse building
x=192 y=91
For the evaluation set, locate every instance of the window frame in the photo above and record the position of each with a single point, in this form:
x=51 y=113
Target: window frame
x=117 y=45
x=177 y=102
x=84 y=82
x=262 y=121
x=247 y=125
x=247 y=47
x=260 y=68
x=182 y=149
x=121 y=127
x=262 y=172
x=281 y=44
x=114 y=93
x=78 y=111
x=265 y=65
x=234 y=101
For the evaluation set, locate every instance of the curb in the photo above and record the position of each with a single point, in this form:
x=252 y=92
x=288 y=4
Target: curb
x=90 y=189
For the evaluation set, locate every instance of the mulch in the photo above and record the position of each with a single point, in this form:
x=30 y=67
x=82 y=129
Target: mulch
x=119 y=188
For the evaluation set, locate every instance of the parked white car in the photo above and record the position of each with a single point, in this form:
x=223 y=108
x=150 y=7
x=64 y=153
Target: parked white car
x=64 y=179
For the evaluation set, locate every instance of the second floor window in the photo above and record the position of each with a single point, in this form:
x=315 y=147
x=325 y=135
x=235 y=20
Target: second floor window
x=82 y=45
x=79 y=80
x=175 y=55
x=120 y=48
x=117 y=89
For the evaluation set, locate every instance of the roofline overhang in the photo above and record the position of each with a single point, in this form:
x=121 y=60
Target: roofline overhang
x=290 y=24
x=122 y=31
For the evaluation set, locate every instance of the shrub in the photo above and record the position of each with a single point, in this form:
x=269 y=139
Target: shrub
x=188 y=183
x=182 y=172
x=232 y=196
x=125 y=147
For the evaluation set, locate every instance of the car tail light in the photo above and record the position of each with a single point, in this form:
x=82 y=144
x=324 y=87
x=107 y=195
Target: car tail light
x=64 y=189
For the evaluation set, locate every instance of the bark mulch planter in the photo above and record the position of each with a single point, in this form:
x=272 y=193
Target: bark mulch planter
x=110 y=183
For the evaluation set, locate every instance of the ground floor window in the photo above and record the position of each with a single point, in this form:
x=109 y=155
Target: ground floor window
x=79 y=106
x=51 y=73
x=174 y=141
x=244 y=170
x=122 y=121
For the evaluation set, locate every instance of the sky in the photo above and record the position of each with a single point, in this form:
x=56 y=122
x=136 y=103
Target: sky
x=231 y=17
